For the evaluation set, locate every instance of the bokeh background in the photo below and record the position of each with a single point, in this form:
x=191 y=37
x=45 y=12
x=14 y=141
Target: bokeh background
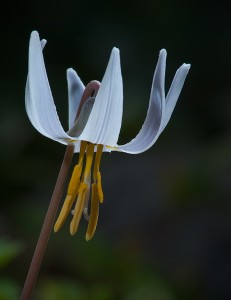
x=164 y=230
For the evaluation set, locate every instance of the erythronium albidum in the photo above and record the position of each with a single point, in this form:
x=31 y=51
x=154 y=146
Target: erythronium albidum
x=95 y=116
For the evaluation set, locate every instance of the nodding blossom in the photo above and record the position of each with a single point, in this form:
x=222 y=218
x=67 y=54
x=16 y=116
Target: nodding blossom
x=95 y=117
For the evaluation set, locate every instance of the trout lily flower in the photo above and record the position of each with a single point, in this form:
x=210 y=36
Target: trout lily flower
x=95 y=116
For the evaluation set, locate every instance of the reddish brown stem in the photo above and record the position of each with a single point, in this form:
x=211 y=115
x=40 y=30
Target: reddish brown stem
x=47 y=225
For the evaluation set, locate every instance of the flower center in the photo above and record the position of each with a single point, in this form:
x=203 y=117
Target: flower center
x=80 y=190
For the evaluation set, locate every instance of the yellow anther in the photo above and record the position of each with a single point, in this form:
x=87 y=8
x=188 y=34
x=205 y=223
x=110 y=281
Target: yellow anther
x=78 y=209
x=99 y=187
x=69 y=140
x=72 y=191
x=96 y=173
x=75 y=180
x=78 y=188
x=94 y=213
x=64 y=212
x=82 y=151
x=97 y=161
x=113 y=148
x=89 y=158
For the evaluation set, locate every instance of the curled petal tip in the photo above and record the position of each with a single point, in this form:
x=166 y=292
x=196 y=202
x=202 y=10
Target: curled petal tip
x=163 y=52
x=115 y=50
x=70 y=71
x=34 y=33
x=43 y=43
x=187 y=66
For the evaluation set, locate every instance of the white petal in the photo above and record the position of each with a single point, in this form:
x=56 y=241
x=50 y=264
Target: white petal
x=75 y=91
x=151 y=127
x=104 y=122
x=39 y=101
x=174 y=92
x=43 y=43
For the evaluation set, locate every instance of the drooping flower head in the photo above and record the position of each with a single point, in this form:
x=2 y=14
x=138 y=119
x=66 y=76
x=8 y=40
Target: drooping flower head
x=95 y=117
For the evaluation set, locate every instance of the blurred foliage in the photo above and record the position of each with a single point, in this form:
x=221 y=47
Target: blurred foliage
x=9 y=250
x=9 y=289
x=103 y=273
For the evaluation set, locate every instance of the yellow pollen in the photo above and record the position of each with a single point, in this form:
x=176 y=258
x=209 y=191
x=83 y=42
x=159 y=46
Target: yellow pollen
x=70 y=140
x=99 y=187
x=72 y=191
x=115 y=148
x=89 y=159
x=78 y=209
x=94 y=213
x=75 y=180
x=69 y=201
x=79 y=191
x=96 y=172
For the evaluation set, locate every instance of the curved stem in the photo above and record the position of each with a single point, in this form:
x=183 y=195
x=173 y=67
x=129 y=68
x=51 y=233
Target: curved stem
x=47 y=225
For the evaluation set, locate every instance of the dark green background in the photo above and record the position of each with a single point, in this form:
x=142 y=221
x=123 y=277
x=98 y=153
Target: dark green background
x=164 y=231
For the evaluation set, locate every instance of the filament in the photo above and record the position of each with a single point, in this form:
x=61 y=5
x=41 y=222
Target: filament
x=80 y=191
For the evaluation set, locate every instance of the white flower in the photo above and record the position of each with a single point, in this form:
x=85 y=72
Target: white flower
x=95 y=116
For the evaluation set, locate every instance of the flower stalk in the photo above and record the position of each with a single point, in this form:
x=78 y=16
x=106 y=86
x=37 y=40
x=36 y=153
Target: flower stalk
x=47 y=225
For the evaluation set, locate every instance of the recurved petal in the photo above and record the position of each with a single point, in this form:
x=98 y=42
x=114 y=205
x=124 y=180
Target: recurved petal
x=75 y=91
x=151 y=127
x=39 y=101
x=104 y=123
x=43 y=43
x=174 y=92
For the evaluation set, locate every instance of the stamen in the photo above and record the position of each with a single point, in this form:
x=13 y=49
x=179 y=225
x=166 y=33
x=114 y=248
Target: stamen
x=78 y=209
x=72 y=191
x=69 y=200
x=96 y=195
x=86 y=204
x=97 y=160
x=80 y=188
x=82 y=151
x=99 y=187
x=82 y=191
x=75 y=179
x=89 y=158
x=96 y=172
x=94 y=213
